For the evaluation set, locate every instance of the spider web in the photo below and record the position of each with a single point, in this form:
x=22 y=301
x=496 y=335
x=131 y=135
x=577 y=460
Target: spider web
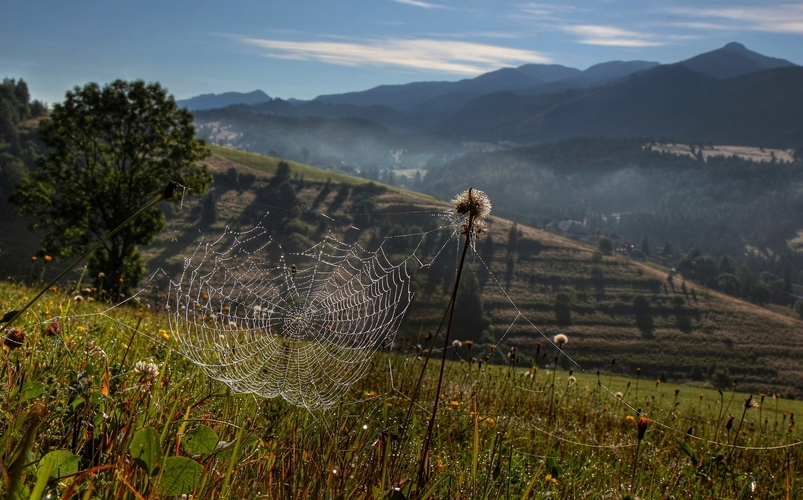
x=304 y=327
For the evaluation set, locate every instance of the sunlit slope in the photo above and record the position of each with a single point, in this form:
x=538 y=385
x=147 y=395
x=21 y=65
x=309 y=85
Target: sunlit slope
x=540 y=284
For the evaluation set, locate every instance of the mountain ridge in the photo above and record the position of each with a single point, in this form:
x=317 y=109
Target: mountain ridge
x=214 y=101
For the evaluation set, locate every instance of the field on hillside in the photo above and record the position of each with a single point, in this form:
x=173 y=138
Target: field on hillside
x=621 y=315
x=101 y=397
x=100 y=402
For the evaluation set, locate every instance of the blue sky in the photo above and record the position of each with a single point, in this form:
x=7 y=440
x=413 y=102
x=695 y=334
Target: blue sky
x=306 y=48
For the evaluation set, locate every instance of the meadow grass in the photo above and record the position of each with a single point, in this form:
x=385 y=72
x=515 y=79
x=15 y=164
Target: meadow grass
x=85 y=415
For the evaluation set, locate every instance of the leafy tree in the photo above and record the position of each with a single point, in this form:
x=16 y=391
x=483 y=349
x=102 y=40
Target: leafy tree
x=513 y=238
x=645 y=246
x=641 y=308
x=598 y=280
x=726 y=265
x=487 y=250
x=605 y=246
x=799 y=308
x=110 y=150
x=722 y=379
x=209 y=210
x=563 y=308
x=706 y=271
x=469 y=318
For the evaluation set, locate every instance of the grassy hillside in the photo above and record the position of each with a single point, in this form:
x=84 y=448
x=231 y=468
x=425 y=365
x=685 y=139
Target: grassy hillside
x=104 y=405
x=540 y=285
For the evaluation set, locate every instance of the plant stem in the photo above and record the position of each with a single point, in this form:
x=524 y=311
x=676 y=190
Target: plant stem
x=425 y=448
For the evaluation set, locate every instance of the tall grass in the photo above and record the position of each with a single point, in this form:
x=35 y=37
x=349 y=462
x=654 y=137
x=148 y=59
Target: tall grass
x=77 y=420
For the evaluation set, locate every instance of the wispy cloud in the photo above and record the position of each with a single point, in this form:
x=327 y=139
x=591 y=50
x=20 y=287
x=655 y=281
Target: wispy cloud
x=419 y=3
x=422 y=54
x=592 y=34
x=774 y=18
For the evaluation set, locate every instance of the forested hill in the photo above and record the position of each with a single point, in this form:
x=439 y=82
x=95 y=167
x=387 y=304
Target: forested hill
x=18 y=148
x=723 y=206
x=610 y=306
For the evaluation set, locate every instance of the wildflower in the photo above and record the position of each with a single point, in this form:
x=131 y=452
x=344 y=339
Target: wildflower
x=53 y=329
x=80 y=329
x=619 y=395
x=147 y=371
x=33 y=258
x=749 y=403
x=641 y=425
x=630 y=418
x=93 y=350
x=561 y=339
x=456 y=344
x=469 y=343
x=164 y=334
x=78 y=298
x=14 y=338
x=454 y=403
x=476 y=206
x=492 y=347
x=48 y=258
x=572 y=380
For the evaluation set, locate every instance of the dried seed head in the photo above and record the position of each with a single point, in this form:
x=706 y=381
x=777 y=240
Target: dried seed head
x=474 y=206
x=14 y=338
x=641 y=425
x=561 y=339
x=474 y=203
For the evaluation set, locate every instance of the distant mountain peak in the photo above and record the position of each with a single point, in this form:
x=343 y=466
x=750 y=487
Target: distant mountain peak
x=733 y=59
x=215 y=101
x=735 y=46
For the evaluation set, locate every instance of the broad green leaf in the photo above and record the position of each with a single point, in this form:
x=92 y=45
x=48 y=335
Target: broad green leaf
x=226 y=450
x=31 y=390
x=553 y=467
x=58 y=463
x=77 y=404
x=689 y=451
x=180 y=476
x=200 y=441
x=146 y=451
x=42 y=477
